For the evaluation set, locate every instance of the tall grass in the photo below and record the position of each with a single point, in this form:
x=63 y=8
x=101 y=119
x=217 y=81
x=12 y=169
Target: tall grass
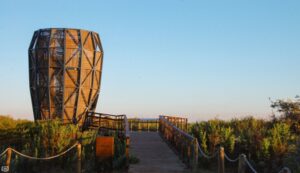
x=269 y=144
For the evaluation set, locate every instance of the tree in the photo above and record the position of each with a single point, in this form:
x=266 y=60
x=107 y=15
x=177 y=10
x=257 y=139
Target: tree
x=288 y=111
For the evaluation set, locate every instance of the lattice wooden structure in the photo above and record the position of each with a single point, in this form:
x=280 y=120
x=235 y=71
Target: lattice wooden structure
x=65 y=67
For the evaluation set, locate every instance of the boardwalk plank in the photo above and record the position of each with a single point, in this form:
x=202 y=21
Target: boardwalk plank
x=154 y=154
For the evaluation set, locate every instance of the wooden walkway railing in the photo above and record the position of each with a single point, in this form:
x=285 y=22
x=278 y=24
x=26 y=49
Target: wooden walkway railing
x=189 y=150
x=104 y=121
x=152 y=124
x=108 y=122
x=179 y=122
x=185 y=144
x=137 y=124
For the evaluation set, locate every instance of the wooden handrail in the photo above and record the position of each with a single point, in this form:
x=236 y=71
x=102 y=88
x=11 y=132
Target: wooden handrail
x=185 y=145
x=137 y=124
x=181 y=123
x=111 y=122
x=107 y=121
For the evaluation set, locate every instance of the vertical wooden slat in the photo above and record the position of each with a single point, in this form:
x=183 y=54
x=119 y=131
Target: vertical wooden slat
x=93 y=68
x=79 y=158
x=127 y=147
x=186 y=124
x=79 y=72
x=195 y=158
x=48 y=77
x=147 y=125
x=63 y=78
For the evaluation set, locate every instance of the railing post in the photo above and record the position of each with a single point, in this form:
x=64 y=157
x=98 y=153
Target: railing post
x=242 y=164
x=221 y=165
x=195 y=158
x=127 y=147
x=8 y=158
x=139 y=126
x=188 y=153
x=79 y=158
x=147 y=125
x=130 y=125
x=186 y=124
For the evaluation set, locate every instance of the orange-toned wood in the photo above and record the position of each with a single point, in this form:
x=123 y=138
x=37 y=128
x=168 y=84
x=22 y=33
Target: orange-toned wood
x=8 y=157
x=105 y=147
x=127 y=147
x=65 y=67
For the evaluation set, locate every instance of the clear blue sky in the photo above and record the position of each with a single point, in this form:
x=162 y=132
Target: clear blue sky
x=200 y=59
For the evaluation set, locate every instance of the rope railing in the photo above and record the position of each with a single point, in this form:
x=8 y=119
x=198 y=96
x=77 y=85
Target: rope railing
x=45 y=158
x=249 y=164
x=206 y=155
x=184 y=144
x=9 y=151
x=4 y=152
x=171 y=132
x=100 y=121
x=240 y=158
x=229 y=159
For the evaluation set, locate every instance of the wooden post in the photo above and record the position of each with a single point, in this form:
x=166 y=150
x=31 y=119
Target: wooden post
x=127 y=147
x=127 y=151
x=186 y=124
x=195 y=159
x=8 y=158
x=242 y=164
x=78 y=158
x=188 y=153
x=221 y=165
x=182 y=154
x=147 y=125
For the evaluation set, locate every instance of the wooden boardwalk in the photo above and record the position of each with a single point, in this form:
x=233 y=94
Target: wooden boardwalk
x=154 y=154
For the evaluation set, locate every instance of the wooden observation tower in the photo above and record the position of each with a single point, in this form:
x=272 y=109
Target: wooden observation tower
x=65 y=67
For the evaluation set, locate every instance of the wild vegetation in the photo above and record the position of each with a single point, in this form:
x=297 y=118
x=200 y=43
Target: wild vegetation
x=42 y=139
x=48 y=138
x=269 y=144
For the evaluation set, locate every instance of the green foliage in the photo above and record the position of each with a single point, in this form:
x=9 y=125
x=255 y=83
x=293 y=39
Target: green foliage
x=203 y=140
x=265 y=148
x=51 y=136
x=7 y=122
x=43 y=139
x=270 y=144
x=288 y=111
x=262 y=141
x=280 y=135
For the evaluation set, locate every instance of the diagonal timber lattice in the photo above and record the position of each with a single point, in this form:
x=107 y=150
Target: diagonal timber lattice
x=65 y=67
